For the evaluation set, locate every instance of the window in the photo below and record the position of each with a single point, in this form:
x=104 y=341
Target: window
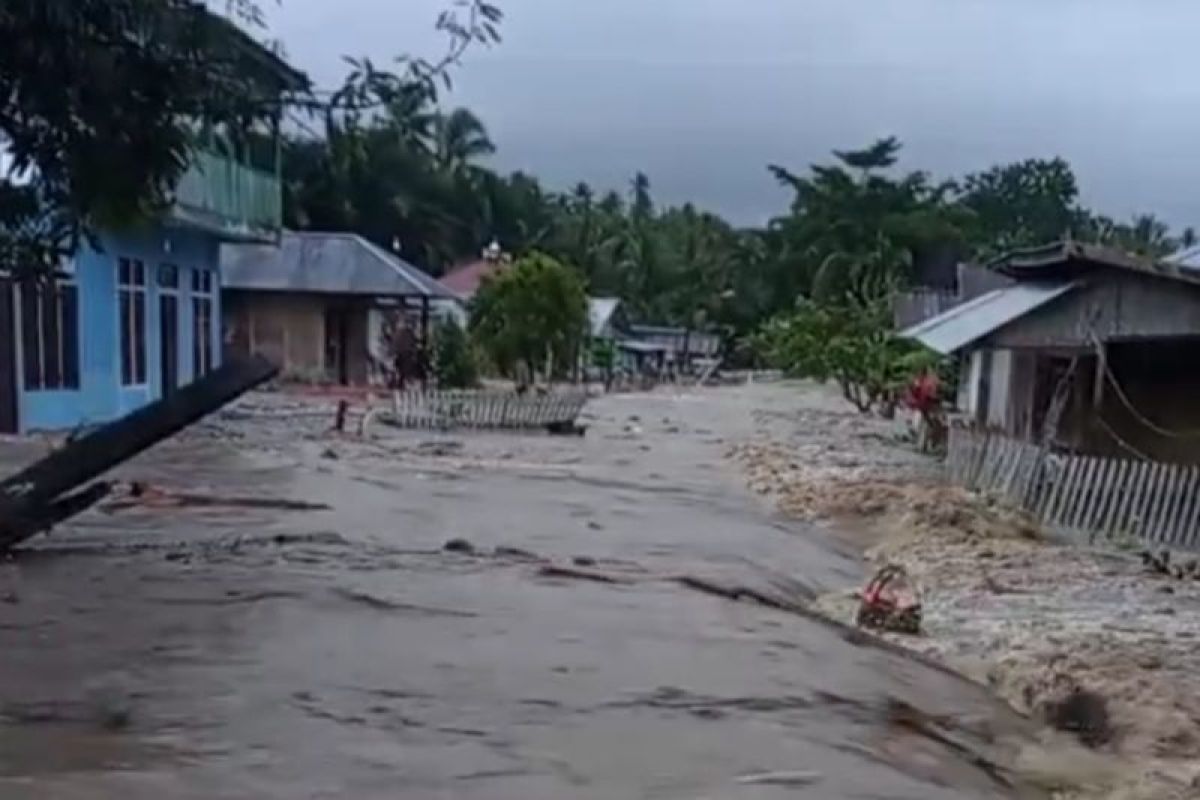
x=202 y=321
x=168 y=276
x=50 y=335
x=132 y=295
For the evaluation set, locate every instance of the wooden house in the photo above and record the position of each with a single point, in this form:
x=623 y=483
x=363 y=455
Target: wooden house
x=1095 y=349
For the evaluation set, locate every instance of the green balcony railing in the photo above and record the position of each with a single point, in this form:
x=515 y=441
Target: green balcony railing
x=229 y=198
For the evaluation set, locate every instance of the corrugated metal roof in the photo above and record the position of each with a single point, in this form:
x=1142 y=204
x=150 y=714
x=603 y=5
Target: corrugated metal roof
x=1068 y=258
x=324 y=263
x=970 y=321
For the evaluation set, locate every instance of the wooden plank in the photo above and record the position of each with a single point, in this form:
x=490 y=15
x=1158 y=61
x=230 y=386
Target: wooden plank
x=1090 y=496
x=987 y=465
x=1079 y=497
x=1183 y=501
x=1100 y=495
x=1062 y=504
x=954 y=453
x=1128 y=521
x=1066 y=468
x=1000 y=465
x=25 y=496
x=1191 y=529
x=1019 y=490
x=1171 y=486
x=1115 y=491
x=1144 y=520
x=1129 y=489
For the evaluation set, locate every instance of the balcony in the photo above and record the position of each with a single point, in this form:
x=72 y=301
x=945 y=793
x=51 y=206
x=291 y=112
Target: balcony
x=233 y=200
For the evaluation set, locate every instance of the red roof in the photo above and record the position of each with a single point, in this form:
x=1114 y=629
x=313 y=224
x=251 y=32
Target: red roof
x=464 y=280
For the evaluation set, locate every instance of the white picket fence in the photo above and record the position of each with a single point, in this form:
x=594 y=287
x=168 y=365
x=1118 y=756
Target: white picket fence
x=444 y=410
x=1083 y=497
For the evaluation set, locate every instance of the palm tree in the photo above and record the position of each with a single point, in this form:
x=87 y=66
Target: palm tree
x=461 y=139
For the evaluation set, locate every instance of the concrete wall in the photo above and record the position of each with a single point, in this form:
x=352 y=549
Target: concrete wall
x=100 y=396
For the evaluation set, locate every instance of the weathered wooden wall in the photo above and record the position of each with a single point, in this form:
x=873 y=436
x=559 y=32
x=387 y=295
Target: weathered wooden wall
x=918 y=305
x=1115 y=305
x=287 y=328
x=290 y=329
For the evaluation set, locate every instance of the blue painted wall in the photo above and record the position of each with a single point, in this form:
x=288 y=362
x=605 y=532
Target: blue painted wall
x=100 y=396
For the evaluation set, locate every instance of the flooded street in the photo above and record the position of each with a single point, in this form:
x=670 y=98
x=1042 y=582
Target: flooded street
x=345 y=653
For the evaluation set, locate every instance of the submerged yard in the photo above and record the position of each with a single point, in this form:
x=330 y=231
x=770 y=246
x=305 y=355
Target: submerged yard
x=254 y=653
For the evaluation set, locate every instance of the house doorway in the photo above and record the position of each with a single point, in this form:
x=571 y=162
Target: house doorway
x=8 y=360
x=337 y=338
x=168 y=329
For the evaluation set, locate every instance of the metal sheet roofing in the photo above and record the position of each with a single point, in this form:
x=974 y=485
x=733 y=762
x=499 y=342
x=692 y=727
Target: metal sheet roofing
x=1068 y=258
x=970 y=321
x=324 y=263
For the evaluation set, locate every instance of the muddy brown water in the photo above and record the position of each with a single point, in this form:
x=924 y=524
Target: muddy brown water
x=254 y=654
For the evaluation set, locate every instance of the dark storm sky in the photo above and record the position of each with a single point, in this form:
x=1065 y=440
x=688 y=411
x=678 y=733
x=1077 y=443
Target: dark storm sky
x=702 y=94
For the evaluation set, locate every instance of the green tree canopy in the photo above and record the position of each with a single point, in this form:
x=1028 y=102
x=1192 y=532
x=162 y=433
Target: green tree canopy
x=533 y=315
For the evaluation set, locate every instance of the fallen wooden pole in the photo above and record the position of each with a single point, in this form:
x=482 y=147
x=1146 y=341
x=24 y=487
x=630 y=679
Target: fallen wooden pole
x=27 y=498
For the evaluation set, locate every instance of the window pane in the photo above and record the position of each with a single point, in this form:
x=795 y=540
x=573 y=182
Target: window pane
x=123 y=271
x=51 y=368
x=31 y=350
x=126 y=340
x=70 y=336
x=139 y=336
x=139 y=273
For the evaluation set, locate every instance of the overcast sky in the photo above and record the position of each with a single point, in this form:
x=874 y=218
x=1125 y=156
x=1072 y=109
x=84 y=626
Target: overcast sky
x=702 y=94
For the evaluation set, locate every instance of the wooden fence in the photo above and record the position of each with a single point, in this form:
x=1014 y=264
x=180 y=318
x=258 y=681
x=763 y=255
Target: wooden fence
x=1083 y=497
x=443 y=410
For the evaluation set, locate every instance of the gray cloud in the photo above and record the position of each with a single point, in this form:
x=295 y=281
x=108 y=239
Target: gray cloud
x=701 y=94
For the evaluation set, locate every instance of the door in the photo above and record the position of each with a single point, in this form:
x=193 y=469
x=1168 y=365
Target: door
x=336 y=339
x=168 y=321
x=8 y=360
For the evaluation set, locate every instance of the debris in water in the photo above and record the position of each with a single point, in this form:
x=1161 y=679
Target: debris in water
x=1083 y=713
x=890 y=602
x=459 y=546
x=504 y=551
x=794 y=778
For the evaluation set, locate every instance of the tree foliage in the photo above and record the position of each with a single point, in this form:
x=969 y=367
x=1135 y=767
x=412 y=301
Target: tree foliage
x=99 y=108
x=454 y=363
x=103 y=100
x=533 y=315
x=849 y=344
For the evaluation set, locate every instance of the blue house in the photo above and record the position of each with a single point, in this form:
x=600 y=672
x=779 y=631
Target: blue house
x=130 y=320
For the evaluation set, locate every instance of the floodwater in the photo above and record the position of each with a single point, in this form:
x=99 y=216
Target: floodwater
x=269 y=654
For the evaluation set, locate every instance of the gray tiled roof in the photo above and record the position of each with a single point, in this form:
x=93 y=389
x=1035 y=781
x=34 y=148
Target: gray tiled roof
x=323 y=263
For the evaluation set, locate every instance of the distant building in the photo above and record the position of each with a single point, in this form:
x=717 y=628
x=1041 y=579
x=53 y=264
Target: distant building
x=680 y=346
x=1109 y=338
x=128 y=322
x=464 y=280
x=322 y=305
